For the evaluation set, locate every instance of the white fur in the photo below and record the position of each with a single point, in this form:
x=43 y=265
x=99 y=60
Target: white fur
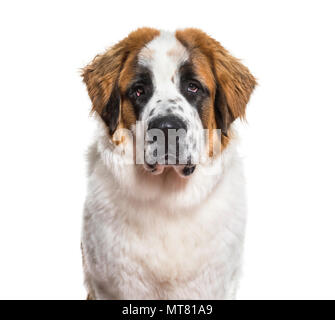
x=162 y=237
x=164 y=68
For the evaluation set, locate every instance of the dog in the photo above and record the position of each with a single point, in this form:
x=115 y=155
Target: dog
x=160 y=224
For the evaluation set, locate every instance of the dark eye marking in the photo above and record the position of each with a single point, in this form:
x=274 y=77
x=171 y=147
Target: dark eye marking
x=193 y=90
x=139 y=85
x=189 y=82
x=140 y=89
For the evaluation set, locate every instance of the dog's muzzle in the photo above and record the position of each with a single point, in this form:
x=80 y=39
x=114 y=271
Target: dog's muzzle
x=168 y=135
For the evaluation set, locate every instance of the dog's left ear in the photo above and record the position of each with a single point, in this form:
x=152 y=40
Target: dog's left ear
x=234 y=82
x=234 y=85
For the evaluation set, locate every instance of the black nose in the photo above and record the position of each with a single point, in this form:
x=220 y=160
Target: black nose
x=166 y=123
x=174 y=145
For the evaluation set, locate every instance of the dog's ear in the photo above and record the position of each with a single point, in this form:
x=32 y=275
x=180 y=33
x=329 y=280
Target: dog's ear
x=102 y=75
x=234 y=82
x=234 y=85
x=101 y=78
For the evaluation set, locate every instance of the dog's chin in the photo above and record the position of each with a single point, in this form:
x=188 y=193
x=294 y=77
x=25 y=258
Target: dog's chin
x=183 y=171
x=154 y=169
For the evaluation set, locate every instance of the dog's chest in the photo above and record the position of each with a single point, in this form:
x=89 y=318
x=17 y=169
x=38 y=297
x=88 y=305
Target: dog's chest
x=157 y=252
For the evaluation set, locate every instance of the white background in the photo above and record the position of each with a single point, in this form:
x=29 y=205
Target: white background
x=288 y=141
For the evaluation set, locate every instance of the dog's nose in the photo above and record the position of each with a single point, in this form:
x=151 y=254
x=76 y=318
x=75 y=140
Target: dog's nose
x=166 y=123
x=174 y=145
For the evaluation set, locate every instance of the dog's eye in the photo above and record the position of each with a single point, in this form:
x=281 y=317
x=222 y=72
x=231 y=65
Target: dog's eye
x=139 y=91
x=192 y=87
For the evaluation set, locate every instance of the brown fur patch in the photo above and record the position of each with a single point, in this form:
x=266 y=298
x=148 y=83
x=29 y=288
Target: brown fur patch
x=220 y=71
x=176 y=52
x=147 y=54
x=113 y=68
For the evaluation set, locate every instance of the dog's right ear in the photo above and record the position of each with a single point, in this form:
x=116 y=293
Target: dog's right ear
x=102 y=75
x=101 y=78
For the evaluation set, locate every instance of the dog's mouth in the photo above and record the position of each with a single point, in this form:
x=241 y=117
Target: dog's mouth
x=173 y=154
x=170 y=161
x=183 y=171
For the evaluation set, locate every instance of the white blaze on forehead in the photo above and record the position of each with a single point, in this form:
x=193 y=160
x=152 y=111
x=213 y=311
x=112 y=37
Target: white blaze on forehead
x=163 y=55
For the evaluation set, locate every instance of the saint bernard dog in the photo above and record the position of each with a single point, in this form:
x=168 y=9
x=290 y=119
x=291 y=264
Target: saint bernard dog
x=161 y=223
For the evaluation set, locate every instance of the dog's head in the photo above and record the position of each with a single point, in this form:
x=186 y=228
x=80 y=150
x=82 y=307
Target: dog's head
x=176 y=85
